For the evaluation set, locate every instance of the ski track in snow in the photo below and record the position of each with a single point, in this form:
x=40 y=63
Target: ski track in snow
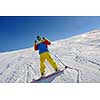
x=80 y=52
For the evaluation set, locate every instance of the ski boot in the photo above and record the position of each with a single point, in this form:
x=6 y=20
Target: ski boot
x=42 y=75
x=57 y=70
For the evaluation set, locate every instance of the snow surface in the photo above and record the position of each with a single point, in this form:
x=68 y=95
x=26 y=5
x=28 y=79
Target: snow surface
x=81 y=52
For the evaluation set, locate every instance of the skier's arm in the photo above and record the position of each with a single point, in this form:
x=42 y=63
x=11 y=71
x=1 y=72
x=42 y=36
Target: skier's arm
x=47 y=42
x=35 y=46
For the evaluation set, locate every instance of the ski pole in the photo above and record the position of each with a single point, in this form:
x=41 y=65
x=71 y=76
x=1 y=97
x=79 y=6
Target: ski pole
x=70 y=68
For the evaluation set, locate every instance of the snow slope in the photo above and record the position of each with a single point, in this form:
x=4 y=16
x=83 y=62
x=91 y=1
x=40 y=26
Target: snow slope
x=81 y=52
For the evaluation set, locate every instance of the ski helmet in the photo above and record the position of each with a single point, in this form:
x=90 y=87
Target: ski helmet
x=38 y=38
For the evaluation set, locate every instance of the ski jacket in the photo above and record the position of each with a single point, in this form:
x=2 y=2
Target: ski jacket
x=42 y=46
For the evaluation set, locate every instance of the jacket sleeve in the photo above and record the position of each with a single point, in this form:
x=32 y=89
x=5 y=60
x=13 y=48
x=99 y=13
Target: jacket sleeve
x=47 y=42
x=35 y=47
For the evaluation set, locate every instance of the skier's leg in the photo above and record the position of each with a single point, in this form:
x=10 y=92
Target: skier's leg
x=42 y=65
x=51 y=61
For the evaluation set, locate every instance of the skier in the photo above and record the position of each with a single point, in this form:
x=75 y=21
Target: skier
x=42 y=46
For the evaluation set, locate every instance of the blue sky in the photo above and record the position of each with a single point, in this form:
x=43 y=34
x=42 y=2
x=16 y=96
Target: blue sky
x=20 y=32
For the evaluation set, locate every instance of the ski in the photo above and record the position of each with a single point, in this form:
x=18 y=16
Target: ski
x=52 y=75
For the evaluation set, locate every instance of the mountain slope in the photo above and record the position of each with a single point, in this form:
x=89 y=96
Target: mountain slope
x=80 y=52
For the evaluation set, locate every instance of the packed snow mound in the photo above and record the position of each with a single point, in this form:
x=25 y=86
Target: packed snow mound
x=80 y=52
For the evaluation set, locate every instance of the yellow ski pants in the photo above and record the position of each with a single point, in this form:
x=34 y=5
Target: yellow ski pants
x=46 y=56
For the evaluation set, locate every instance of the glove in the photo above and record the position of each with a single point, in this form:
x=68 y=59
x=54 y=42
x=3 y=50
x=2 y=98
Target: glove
x=35 y=41
x=43 y=38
